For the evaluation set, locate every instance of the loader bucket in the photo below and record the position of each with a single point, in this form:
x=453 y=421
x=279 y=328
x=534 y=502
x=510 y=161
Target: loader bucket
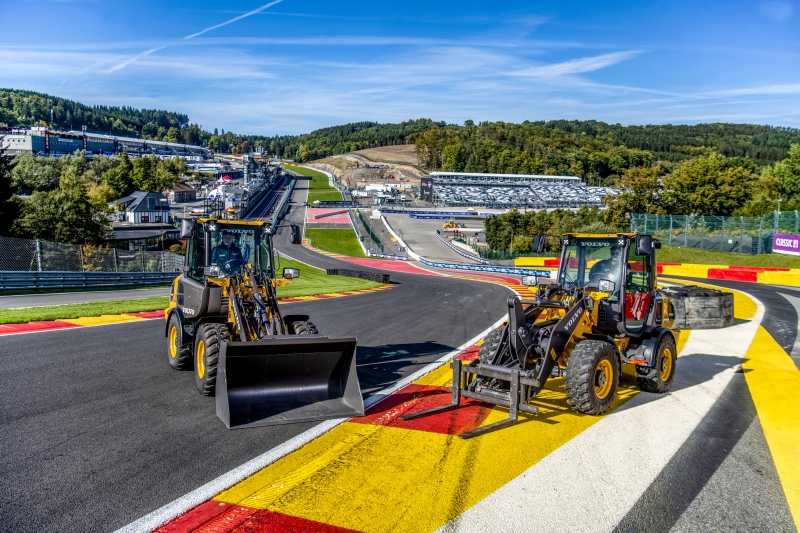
x=287 y=379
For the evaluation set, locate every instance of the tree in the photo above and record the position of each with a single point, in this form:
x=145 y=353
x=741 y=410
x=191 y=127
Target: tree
x=172 y=135
x=151 y=175
x=640 y=192
x=713 y=185
x=62 y=215
x=31 y=173
x=120 y=179
x=9 y=205
x=787 y=175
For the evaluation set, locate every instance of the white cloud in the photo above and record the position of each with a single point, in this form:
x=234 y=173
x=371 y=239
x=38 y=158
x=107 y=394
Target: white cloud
x=577 y=66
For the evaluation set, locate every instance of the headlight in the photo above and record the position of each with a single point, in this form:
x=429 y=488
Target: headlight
x=211 y=272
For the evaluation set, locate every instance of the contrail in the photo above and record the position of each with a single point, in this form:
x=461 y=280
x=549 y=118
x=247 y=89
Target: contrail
x=201 y=32
x=234 y=19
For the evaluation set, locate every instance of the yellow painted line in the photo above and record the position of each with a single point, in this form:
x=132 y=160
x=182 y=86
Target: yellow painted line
x=774 y=383
x=102 y=319
x=377 y=478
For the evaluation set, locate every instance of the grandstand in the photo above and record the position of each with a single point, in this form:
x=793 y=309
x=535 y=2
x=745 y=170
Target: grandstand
x=464 y=189
x=42 y=141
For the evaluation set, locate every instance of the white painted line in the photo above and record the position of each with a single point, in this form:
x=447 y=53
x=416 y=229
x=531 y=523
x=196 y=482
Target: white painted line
x=612 y=463
x=212 y=488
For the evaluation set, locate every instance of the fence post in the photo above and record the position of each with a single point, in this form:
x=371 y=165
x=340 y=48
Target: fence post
x=670 y=229
x=38 y=256
x=702 y=231
x=116 y=267
x=760 y=235
x=80 y=254
x=686 y=233
x=645 y=223
x=795 y=222
x=741 y=234
x=722 y=243
x=777 y=219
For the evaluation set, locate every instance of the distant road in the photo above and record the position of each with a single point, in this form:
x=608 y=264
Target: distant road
x=61 y=298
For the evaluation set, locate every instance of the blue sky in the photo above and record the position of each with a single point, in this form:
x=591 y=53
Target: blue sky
x=293 y=66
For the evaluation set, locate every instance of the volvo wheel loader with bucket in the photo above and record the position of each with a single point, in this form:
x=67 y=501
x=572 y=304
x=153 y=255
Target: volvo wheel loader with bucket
x=603 y=310
x=223 y=321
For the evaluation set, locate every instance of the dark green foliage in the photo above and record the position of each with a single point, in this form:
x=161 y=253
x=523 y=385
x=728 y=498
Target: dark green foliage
x=9 y=206
x=61 y=215
x=120 y=178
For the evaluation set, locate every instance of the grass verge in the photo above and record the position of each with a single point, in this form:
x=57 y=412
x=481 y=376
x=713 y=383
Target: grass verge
x=677 y=254
x=318 y=179
x=338 y=241
x=323 y=195
x=55 y=312
x=313 y=281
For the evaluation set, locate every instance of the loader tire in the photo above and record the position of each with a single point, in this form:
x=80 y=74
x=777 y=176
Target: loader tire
x=180 y=357
x=304 y=328
x=592 y=376
x=206 y=356
x=659 y=378
x=490 y=344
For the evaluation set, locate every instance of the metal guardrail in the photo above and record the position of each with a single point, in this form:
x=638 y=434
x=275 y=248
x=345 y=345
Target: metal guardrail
x=372 y=235
x=21 y=280
x=459 y=251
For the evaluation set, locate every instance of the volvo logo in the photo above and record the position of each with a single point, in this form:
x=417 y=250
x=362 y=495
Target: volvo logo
x=578 y=312
x=187 y=311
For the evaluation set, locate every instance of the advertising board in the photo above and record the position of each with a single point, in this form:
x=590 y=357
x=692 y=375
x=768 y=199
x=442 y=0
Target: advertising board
x=786 y=244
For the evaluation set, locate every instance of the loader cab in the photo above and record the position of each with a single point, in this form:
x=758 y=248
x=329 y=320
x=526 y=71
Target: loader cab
x=617 y=267
x=218 y=250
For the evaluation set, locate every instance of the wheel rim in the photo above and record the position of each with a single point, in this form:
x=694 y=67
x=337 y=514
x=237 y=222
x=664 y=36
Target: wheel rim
x=603 y=379
x=173 y=342
x=200 y=364
x=665 y=365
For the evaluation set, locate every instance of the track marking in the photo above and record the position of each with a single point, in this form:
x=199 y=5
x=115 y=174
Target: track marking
x=774 y=383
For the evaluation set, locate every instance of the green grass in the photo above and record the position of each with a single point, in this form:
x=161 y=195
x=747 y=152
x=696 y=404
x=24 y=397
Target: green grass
x=676 y=254
x=314 y=281
x=55 y=312
x=318 y=179
x=323 y=195
x=339 y=241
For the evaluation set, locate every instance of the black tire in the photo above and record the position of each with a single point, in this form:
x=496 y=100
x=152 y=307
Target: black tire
x=489 y=346
x=302 y=327
x=587 y=377
x=179 y=357
x=659 y=378
x=206 y=356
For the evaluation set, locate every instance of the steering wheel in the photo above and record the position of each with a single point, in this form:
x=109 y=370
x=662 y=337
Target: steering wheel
x=231 y=266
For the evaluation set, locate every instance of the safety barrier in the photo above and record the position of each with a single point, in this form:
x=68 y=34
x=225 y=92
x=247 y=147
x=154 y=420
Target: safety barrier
x=459 y=251
x=388 y=256
x=362 y=274
x=23 y=281
x=499 y=270
x=372 y=234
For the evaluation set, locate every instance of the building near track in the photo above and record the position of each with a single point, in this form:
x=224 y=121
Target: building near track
x=463 y=189
x=41 y=141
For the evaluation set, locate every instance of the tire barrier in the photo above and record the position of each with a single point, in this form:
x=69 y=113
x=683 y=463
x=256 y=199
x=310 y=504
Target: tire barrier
x=498 y=270
x=459 y=251
x=362 y=274
x=699 y=308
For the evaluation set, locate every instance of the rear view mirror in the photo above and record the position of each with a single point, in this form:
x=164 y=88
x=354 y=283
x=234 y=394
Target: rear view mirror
x=291 y=273
x=644 y=244
x=606 y=286
x=187 y=226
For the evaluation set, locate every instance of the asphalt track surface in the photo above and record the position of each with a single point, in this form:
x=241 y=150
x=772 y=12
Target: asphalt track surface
x=420 y=236
x=62 y=298
x=96 y=430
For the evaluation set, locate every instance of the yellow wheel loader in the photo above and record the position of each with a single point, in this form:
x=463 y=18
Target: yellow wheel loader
x=223 y=321
x=603 y=310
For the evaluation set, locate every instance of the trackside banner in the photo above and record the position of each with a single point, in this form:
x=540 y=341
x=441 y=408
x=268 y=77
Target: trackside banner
x=786 y=244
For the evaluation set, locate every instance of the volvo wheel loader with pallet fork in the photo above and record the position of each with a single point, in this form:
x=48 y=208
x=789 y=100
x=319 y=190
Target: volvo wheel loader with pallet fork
x=603 y=310
x=223 y=321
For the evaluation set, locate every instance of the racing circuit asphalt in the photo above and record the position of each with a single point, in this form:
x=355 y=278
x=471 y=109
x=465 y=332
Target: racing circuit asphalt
x=96 y=430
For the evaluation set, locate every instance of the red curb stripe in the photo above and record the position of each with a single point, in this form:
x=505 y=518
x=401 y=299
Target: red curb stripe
x=194 y=518
x=29 y=327
x=147 y=314
x=272 y=522
x=228 y=520
x=733 y=275
x=413 y=398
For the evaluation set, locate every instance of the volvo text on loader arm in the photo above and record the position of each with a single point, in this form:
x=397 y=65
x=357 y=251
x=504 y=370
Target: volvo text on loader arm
x=603 y=310
x=223 y=321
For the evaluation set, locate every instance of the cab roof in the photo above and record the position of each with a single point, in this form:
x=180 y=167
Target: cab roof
x=604 y=235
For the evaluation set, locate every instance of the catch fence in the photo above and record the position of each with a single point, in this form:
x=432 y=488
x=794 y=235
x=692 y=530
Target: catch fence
x=42 y=256
x=739 y=235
